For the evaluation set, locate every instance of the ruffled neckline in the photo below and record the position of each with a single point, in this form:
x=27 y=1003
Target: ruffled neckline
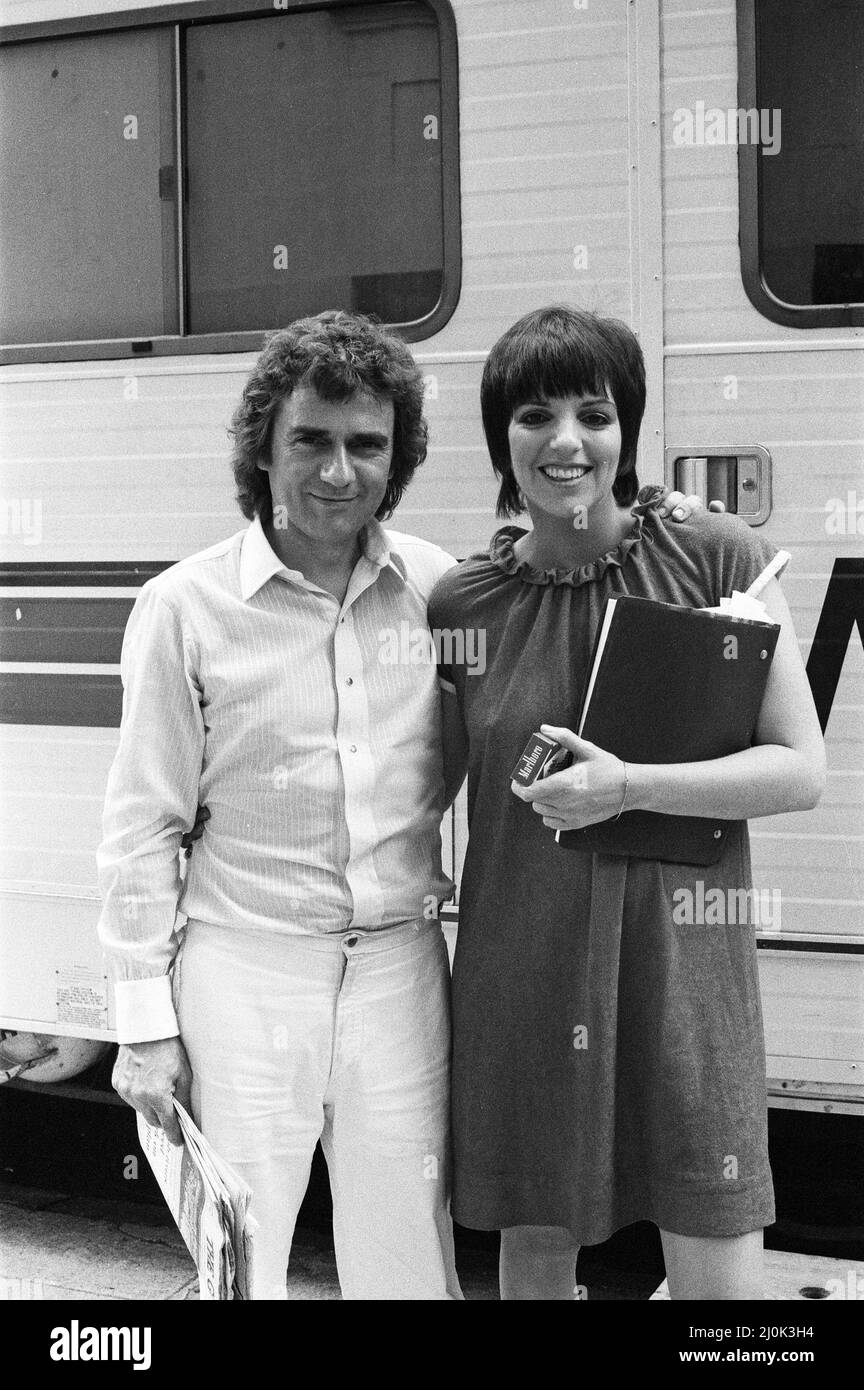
x=501 y=553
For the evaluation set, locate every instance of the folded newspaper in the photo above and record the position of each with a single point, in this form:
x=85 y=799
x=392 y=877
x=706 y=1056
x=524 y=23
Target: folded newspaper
x=210 y=1205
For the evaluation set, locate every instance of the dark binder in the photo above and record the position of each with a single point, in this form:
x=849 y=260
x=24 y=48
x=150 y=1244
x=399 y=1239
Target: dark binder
x=671 y=685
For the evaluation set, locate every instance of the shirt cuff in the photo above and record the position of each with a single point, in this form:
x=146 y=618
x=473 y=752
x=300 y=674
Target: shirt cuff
x=145 y=1010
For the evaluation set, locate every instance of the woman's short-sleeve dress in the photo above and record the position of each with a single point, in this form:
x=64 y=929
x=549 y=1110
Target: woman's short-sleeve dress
x=608 y=1060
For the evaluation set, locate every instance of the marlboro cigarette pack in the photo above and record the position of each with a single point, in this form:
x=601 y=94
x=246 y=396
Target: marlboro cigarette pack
x=539 y=757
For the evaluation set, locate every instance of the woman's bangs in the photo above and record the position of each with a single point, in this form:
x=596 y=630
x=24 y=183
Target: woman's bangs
x=551 y=369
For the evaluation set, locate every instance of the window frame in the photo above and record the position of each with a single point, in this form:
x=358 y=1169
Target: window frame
x=251 y=340
x=762 y=298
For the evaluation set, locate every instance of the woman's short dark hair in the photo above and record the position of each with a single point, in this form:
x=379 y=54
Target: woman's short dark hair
x=337 y=353
x=558 y=352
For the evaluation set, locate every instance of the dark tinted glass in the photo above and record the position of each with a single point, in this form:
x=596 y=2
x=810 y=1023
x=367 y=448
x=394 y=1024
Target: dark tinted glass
x=87 y=219
x=810 y=68
x=313 y=150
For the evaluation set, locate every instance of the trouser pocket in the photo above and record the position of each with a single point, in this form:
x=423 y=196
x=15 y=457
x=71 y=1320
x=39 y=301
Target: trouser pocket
x=176 y=969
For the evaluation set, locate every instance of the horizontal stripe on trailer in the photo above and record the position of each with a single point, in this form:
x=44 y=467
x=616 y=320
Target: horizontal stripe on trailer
x=58 y=668
x=61 y=630
x=852 y=948
x=47 y=591
x=91 y=701
x=29 y=888
x=197 y=366
x=89 y=573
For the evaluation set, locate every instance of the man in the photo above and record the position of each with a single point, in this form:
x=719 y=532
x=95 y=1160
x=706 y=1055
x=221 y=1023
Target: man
x=310 y=985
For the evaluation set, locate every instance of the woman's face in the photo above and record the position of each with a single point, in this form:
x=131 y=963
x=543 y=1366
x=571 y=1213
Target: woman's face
x=565 y=452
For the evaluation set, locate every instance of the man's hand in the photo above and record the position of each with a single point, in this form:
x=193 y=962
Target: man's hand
x=149 y=1075
x=666 y=503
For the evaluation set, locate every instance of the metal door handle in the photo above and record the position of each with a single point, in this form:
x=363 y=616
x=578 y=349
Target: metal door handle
x=738 y=477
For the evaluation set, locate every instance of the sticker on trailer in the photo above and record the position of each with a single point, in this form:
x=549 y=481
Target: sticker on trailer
x=82 y=996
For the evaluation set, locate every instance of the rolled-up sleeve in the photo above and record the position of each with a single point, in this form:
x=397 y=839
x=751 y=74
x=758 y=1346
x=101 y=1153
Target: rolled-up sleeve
x=151 y=800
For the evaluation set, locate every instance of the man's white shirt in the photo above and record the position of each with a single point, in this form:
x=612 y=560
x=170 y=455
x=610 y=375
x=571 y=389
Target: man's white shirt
x=252 y=691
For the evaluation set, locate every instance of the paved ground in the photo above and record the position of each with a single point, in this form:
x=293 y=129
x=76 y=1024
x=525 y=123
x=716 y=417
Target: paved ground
x=56 y=1247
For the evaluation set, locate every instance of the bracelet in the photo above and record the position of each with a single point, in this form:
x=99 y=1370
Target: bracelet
x=626 y=789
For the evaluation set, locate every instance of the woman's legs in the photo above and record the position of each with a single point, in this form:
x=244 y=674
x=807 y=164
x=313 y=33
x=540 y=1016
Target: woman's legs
x=538 y=1262
x=714 y=1266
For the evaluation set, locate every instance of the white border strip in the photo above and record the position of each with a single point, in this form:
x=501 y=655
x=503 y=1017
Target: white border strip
x=25 y=888
x=65 y=591
x=193 y=365
x=767 y=346
x=58 y=668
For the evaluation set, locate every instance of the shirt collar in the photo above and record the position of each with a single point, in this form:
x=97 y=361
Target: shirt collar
x=377 y=548
x=259 y=561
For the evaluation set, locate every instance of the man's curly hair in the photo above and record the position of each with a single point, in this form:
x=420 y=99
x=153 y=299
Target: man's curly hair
x=338 y=354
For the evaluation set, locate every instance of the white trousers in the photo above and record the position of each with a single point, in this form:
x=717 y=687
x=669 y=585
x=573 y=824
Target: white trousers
x=342 y=1038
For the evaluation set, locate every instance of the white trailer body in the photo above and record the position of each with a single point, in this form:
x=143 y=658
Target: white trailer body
x=577 y=180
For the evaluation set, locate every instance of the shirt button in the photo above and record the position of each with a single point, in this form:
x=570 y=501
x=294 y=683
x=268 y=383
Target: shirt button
x=353 y=747
x=351 y=941
x=349 y=680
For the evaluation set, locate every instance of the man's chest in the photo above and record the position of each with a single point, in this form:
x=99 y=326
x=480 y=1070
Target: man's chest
x=312 y=665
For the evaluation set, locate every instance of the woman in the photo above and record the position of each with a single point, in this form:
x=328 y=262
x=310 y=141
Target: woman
x=608 y=1064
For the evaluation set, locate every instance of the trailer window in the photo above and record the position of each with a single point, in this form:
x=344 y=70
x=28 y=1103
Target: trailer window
x=87 y=245
x=335 y=200
x=188 y=186
x=802 y=182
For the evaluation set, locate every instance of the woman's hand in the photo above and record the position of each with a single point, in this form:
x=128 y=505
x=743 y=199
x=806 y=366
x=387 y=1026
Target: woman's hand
x=590 y=790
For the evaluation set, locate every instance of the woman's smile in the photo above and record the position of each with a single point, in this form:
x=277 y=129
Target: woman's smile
x=556 y=473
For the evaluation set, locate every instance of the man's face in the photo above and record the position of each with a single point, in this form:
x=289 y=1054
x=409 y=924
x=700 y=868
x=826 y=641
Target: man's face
x=329 y=463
